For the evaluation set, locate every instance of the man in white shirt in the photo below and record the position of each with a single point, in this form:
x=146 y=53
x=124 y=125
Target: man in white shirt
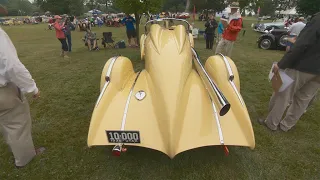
x=15 y=119
x=294 y=31
x=296 y=28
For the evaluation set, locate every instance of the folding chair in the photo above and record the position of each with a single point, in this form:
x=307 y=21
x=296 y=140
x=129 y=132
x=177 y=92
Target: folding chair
x=107 y=40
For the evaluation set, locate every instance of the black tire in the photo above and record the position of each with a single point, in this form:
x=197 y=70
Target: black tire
x=282 y=42
x=266 y=43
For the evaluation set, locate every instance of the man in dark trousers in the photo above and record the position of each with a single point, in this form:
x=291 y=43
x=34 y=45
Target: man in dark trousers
x=211 y=26
x=302 y=64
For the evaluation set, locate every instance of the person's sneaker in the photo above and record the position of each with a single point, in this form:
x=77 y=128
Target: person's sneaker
x=66 y=57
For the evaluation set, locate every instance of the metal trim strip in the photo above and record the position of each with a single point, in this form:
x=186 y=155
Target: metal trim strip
x=231 y=75
x=231 y=78
x=124 y=118
x=218 y=122
x=107 y=78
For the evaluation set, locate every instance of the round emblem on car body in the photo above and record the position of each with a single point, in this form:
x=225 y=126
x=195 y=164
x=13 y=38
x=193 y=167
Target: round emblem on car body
x=140 y=95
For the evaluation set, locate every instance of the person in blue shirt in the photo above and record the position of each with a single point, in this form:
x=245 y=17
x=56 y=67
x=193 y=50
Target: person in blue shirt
x=220 y=30
x=131 y=31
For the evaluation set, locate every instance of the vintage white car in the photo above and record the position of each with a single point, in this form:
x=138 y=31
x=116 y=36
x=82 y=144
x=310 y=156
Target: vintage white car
x=265 y=27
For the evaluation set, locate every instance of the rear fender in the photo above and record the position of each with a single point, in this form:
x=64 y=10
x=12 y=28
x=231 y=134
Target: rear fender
x=191 y=40
x=267 y=36
x=120 y=71
x=142 y=40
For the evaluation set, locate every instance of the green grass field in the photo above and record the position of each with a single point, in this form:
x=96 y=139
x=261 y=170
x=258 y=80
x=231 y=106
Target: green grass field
x=69 y=91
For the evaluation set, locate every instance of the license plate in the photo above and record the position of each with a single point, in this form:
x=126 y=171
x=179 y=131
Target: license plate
x=123 y=136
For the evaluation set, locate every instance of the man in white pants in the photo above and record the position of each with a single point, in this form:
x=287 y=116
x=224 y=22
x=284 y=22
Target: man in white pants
x=233 y=26
x=15 y=120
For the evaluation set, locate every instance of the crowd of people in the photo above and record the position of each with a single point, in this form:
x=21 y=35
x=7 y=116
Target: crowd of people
x=301 y=62
x=228 y=30
x=63 y=27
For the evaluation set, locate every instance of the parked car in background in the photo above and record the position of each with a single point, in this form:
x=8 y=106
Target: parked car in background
x=265 y=27
x=273 y=39
x=183 y=16
x=266 y=17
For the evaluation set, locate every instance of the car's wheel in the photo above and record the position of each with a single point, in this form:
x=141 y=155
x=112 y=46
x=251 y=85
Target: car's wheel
x=283 y=40
x=265 y=43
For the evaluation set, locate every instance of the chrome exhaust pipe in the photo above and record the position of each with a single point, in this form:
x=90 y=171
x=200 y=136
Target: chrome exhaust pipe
x=219 y=99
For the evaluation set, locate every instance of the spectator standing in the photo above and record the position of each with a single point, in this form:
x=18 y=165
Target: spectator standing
x=295 y=30
x=59 y=27
x=15 y=119
x=302 y=64
x=131 y=31
x=220 y=29
x=68 y=27
x=230 y=34
x=211 y=26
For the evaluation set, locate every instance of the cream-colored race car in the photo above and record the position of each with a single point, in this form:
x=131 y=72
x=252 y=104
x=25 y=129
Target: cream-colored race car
x=173 y=105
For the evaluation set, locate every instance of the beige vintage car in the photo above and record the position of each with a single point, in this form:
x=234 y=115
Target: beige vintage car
x=8 y=22
x=18 y=22
x=173 y=105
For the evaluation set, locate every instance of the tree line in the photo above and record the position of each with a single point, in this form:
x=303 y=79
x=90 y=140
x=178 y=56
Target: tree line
x=78 y=7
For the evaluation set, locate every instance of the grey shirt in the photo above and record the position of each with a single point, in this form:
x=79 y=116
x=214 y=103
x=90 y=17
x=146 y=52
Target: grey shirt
x=296 y=28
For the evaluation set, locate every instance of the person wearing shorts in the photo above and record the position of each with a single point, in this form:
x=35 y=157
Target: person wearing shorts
x=131 y=31
x=91 y=39
x=289 y=42
x=61 y=36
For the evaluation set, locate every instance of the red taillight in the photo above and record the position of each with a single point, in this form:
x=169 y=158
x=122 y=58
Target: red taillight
x=226 y=150
x=116 y=151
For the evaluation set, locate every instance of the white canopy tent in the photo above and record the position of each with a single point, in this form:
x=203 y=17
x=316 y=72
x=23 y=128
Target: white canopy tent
x=95 y=11
x=292 y=11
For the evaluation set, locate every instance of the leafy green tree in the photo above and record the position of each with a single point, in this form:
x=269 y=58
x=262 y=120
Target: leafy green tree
x=3 y=2
x=243 y=4
x=74 y=7
x=268 y=8
x=102 y=5
x=174 y=5
x=19 y=7
x=215 y=5
x=54 y=6
x=283 y=5
x=254 y=5
x=188 y=3
x=210 y=6
x=138 y=7
x=308 y=7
